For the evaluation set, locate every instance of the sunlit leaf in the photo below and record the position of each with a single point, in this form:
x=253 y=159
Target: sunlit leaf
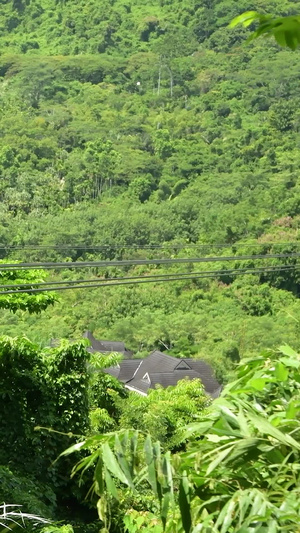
x=287 y=350
x=246 y=19
x=257 y=383
x=281 y=372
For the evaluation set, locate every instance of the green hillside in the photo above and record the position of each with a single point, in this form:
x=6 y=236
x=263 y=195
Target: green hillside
x=129 y=124
x=150 y=131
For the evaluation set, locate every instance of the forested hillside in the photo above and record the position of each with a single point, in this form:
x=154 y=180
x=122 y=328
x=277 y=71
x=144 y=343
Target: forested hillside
x=149 y=131
x=127 y=124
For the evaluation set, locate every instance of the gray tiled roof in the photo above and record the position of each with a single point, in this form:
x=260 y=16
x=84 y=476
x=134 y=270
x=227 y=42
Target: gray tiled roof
x=139 y=385
x=157 y=362
x=216 y=393
x=106 y=346
x=127 y=368
x=168 y=379
x=166 y=370
x=112 y=371
x=162 y=369
x=206 y=374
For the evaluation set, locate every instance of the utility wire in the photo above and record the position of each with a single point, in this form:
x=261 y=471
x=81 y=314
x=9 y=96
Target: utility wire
x=131 y=262
x=140 y=247
x=131 y=282
x=223 y=272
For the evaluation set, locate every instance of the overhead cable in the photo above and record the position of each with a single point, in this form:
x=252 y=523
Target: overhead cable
x=136 y=282
x=259 y=270
x=132 y=262
x=141 y=246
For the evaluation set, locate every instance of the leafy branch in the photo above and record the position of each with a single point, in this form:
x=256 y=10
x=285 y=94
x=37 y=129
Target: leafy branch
x=285 y=30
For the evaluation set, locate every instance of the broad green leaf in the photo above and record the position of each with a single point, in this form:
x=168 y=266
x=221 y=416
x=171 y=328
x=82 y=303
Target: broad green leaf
x=243 y=503
x=292 y=409
x=243 y=448
x=150 y=461
x=165 y=508
x=229 y=415
x=110 y=485
x=244 y=426
x=75 y=448
x=184 y=503
x=226 y=516
x=211 y=437
x=287 y=350
x=281 y=372
x=159 y=473
x=98 y=476
x=123 y=462
x=293 y=363
x=167 y=471
x=102 y=508
x=112 y=464
x=85 y=463
x=257 y=383
x=199 y=428
x=264 y=426
x=286 y=30
x=246 y=19
x=220 y=456
x=133 y=448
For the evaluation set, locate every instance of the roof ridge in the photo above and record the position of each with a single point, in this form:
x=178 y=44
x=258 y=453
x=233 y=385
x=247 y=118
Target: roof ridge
x=167 y=355
x=172 y=371
x=132 y=359
x=200 y=360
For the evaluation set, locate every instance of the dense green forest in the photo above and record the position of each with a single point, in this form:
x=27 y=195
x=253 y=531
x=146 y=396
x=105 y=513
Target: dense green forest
x=134 y=129
x=125 y=125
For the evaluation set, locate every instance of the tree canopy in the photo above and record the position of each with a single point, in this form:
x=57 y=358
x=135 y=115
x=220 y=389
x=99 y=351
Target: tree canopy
x=25 y=281
x=150 y=130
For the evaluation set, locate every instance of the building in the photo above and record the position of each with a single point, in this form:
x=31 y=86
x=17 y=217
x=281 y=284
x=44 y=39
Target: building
x=141 y=375
x=158 y=368
x=106 y=346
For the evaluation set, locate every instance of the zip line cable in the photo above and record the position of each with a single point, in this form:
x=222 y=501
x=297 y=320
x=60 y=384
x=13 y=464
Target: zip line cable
x=131 y=262
x=258 y=270
x=132 y=283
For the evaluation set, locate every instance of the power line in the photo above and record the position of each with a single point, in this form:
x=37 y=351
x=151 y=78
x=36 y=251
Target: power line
x=131 y=262
x=224 y=272
x=140 y=247
x=142 y=281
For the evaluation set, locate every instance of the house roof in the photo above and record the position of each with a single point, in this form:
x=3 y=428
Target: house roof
x=165 y=379
x=157 y=362
x=168 y=379
x=125 y=370
x=112 y=371
x=156 y=369
x=206 y=374
x=162 y=369
x=103 y=346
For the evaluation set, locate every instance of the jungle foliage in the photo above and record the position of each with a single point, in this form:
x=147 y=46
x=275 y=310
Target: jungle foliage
x=125 y=126
x=238 y=473
x=59 y=394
